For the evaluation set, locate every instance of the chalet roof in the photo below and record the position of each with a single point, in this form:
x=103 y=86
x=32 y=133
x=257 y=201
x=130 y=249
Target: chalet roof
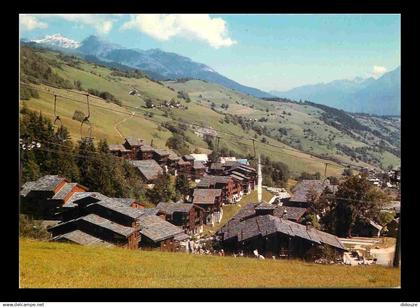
x=125 y=201
x=243 y=161
x=264 y=225
x=238 y=174
x=101 y=222
x=216 y=166
x=236 y=177
x=188 y=157
x=150 y=169
x=118 y=147
x=146 y=148
x=181 y=237
x=26 y=188
x=300 y=192
x=46 y=183
x=289 y=213
x=198 y=165
x=64 y=191
x=88 y=198
x=210 y=179
x=163 y=152
x=206 y=196
x=183 y=162
x=170 y=208
x=134 y=142
x=265 y=206
x=119 y=207
x=105 y=223
x=200 y=157
x=82 y=238
x=157 y=229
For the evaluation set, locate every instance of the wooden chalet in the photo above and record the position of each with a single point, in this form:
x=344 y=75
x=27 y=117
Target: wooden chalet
x=145 y=152
x=185 y=215
x=159 y=234
x=256 y=228
x=184 y=167
x=44 y=198
x=102 y=229
x=210 y=200
x=303 y=190
x=120 y=151
x=216 y=168
x=244 y=175
x=230 y=188
x=198 y=169
x=161 y=156
x=133 y=144
x=149 y=169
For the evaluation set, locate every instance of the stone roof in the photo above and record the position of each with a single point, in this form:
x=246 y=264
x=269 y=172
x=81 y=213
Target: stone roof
x=118 y=147
x=206 y=196
x=289 y=213
x=119 y=207
x=198 y=165
x=146 y=148
x=170 y=208
x=264 y=225
x=300 y=192
x=125 y=201
x=265 y=206
x=101 y=222
x=216 y=166
x=200 y=157
x=211 y=180
x=150 y=169
x=132 y=141
x=82 y=238
x=163 y=152
x=157 y=229
x=45 y=183
x=88 y=198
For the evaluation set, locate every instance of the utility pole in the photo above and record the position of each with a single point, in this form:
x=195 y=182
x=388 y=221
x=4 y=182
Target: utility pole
x=396 y=262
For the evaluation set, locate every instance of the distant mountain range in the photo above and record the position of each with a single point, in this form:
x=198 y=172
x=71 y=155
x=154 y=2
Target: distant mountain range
x=158 y=64
x=380 y=96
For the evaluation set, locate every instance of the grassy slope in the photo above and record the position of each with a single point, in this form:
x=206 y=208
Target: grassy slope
x=60 y=265
x=301 y=117
x=99 y=78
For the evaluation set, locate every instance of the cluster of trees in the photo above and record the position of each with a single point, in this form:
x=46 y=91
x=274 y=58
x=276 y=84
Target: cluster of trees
x=105 y=95
x=184 y=95
x=224 y=106
x=89 y=164
x=34 y=69
x=178 y=141
x=274 y=173
x=136 y=74
x=355 y=203
x=166 y=189
x=27 y=93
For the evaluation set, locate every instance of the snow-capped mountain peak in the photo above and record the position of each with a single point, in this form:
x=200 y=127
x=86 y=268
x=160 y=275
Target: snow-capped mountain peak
x=58 y=40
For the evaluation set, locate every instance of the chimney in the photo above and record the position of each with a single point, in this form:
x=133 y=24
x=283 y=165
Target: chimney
x=308 y=226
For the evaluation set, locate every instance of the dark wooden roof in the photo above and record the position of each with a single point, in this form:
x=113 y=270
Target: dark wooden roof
x=134 y=142
x=263 y=225
x=206 y=196
x=210 y=180
x=157 y=229
x=289 y=213
x=198 y=165
x=170 y=207
x=150 y=169
x=146 y=148
x=119 y=207
x=300 y=192
x=82 y=238
x=46 y=183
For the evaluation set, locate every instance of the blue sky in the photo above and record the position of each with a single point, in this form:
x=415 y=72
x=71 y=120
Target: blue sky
x=270 y=52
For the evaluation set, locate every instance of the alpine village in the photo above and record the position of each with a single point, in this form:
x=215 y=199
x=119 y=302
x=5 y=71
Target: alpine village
x=129 y=179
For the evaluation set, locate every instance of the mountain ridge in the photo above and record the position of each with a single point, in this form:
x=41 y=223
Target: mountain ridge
x=375 y=96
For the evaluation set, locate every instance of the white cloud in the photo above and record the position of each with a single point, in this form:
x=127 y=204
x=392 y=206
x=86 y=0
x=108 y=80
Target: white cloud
x=192 y=26
x=378 y=71
x=29 y=23
x=102 y=23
